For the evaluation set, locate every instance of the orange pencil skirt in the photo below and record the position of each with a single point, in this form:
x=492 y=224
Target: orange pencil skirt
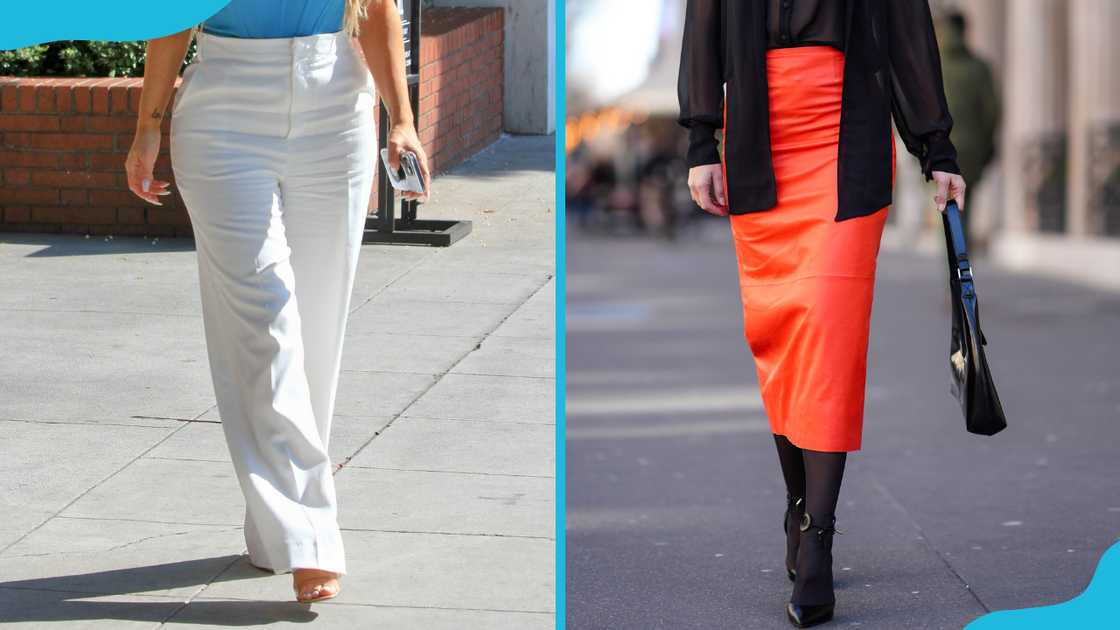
x=807 y=280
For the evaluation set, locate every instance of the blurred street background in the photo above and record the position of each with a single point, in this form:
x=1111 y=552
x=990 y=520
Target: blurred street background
x=674 y=492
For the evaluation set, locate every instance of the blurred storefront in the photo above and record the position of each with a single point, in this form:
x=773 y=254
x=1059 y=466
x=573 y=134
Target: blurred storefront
x=625 y=167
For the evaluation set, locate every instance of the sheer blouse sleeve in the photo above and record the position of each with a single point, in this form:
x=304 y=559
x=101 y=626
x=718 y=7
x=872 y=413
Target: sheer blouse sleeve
x=920 y=110
x=700 y=82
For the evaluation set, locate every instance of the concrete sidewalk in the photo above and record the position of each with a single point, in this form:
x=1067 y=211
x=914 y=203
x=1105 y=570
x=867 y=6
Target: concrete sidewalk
x=120 y=508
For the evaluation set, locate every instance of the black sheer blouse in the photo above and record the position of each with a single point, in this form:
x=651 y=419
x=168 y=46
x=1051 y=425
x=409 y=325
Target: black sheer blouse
x=805 y=23
x=892 y=67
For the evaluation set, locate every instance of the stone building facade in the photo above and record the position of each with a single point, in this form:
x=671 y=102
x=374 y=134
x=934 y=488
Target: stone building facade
x=1051 y=201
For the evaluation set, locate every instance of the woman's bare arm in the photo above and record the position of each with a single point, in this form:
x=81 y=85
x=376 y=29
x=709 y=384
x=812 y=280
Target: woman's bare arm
x=161 y=66
x=382 y=43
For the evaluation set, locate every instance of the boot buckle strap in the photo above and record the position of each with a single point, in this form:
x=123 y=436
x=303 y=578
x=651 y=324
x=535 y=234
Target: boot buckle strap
x=807 y=524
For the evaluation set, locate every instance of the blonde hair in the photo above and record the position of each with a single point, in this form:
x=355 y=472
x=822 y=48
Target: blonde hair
x=355 y=13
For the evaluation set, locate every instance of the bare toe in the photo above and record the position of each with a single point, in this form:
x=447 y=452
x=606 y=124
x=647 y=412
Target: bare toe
x=313 y=584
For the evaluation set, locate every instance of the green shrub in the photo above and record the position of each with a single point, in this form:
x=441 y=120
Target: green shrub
x=78 y=59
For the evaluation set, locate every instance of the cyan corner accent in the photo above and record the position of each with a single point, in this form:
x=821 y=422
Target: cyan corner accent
x=1084 y=611
x=29 y=23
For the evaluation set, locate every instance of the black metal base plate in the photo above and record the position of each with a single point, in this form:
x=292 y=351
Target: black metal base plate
x=432 y=232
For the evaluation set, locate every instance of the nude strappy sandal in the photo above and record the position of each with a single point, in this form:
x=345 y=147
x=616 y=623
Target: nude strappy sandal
x=325 y=590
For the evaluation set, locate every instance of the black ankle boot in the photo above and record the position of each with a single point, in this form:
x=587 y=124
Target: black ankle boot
x=813 y=599
x=795 y=508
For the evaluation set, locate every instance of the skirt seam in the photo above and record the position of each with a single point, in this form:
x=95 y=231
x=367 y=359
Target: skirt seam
x=816 y=276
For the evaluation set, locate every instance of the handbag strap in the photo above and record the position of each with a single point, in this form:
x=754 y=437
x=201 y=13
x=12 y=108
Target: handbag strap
x=964 y=267
x=960 y=250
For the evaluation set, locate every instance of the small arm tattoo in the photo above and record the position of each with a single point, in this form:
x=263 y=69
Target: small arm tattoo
x=157 y=114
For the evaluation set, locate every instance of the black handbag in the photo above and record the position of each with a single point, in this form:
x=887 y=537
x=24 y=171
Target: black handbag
x=971 y=381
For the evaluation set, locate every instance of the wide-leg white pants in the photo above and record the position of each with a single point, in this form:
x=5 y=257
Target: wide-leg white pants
x=273 y=147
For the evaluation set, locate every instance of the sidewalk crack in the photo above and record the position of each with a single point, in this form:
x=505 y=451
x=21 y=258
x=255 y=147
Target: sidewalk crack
x=881 y=489
x=91 y=488
x=439 y=377
x=113 y=548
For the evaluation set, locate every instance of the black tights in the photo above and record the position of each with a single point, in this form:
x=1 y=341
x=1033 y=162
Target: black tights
x=816 y=476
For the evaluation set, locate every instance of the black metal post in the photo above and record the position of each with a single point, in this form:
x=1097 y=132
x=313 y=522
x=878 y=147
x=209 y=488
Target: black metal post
x=408 y=229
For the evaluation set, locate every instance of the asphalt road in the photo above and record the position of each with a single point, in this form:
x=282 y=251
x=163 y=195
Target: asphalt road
x=674 y=494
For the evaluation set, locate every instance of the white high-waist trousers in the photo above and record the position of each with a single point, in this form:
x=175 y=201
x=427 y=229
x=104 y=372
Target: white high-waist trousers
x=273 y=147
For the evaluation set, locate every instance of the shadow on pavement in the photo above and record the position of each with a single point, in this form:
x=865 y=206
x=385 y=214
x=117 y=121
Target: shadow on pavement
x=72 y=598
x=79 y=245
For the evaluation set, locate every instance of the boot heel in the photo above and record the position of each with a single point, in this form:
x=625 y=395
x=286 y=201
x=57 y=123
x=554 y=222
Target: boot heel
x=808 y=616
x=814 y=600
x=794 y=509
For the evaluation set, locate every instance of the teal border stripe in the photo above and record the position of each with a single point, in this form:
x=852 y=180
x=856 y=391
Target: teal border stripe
x=28 y=22
x=561 y=291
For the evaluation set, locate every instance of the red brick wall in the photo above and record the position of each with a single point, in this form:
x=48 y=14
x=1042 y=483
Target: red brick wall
x=63 y=141
x=460 y=82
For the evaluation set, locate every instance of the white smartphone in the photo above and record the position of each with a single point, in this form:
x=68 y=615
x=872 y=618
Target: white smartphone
x=408 y=178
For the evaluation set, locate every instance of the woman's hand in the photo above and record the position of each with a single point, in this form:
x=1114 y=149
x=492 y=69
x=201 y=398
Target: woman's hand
x=949 y=186
x=706 y=185
x=402 y=137
x=161 y=65
x=140 y=162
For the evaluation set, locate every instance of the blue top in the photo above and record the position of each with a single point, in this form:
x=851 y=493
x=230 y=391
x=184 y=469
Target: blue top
x=276 y=18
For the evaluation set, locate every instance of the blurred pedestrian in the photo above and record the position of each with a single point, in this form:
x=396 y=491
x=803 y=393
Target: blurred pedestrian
x=973 y=100
x=804 y=92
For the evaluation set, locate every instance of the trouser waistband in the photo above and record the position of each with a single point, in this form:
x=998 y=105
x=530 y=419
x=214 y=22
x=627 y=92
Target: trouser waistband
x=212 y=46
